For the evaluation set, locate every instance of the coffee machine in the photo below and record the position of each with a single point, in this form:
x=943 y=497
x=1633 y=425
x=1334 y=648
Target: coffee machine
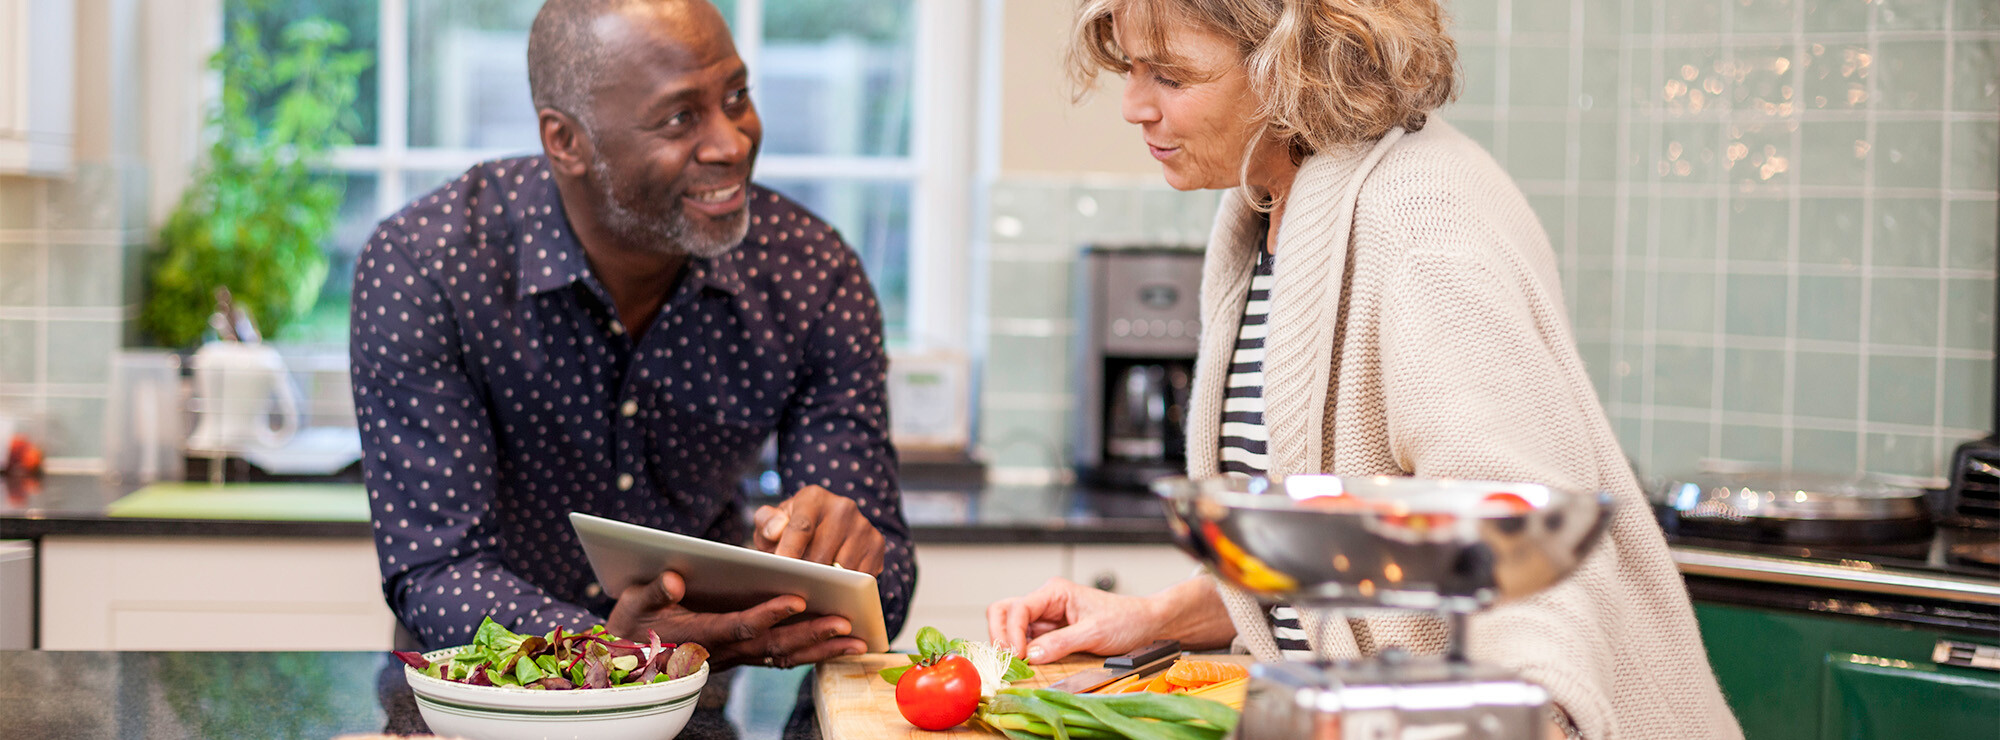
x=1138 y=334
x=1324 y=543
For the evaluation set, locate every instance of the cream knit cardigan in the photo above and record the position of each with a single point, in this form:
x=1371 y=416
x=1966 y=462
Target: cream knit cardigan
x=1417 y=328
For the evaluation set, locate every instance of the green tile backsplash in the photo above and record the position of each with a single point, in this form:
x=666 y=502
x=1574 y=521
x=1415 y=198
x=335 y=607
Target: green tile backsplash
x=1775 y=221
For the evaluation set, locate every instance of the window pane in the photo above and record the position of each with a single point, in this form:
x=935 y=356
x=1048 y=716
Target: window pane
x=835 y=76
x=469 y=75
x=874 y=217
x=358 y=16
x=327 y=322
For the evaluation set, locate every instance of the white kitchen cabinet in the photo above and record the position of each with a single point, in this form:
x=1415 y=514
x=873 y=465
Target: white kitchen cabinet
x=201 y=593
x=37 y=86
x=955 y=583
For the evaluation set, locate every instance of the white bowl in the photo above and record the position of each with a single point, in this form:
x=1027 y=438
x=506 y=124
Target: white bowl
x=654 y=711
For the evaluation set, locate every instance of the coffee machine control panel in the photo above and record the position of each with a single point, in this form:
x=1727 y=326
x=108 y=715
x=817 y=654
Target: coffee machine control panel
x=1148 y=303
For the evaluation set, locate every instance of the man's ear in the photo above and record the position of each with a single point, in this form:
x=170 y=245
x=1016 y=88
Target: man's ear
x=570 y=150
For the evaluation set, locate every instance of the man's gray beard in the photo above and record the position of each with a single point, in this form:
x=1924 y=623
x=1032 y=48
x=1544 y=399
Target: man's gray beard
x=668 y=228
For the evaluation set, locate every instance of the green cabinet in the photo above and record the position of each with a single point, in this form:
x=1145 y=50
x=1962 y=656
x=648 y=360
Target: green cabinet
x=1796 y=676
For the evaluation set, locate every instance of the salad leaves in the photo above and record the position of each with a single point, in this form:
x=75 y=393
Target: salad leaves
x=560 y=661
x=997 y=666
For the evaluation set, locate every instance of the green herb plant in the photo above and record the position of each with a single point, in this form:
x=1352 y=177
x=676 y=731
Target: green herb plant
x=257 y=211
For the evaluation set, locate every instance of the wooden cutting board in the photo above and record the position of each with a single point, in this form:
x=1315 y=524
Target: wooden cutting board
x=856 y=704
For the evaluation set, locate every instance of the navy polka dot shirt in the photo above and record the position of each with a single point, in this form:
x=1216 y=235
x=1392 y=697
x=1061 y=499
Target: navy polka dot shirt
x=497 y=392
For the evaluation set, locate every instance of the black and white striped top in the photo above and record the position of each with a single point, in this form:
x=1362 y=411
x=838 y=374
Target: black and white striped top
x=1244 y=438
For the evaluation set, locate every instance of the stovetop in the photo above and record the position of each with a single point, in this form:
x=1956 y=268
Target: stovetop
x=1958 y=547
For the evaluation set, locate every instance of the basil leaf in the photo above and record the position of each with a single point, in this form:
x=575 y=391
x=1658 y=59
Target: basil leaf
x=894 y=673
x=931 y=643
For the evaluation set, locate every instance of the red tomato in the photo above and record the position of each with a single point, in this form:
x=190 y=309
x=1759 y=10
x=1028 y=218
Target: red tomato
x=1512 y=501
x=940 y=695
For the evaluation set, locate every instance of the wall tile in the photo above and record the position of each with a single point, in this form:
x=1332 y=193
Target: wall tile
x=1975 y=150
x=1759 y=230
x=1598 y=364
x=1541 y=16
x=80 y=351
x=1974 y=16
x=1033 y=364
x=1687 y=302
x=1753 y=444
x=23 y=356
x=1826 y=385
x=1603 y=19
x=1973 y=243
x=1029 y=213
x=1478 y=130
x=1756 y=305
x=1600 y=80
x=1976 y=75
x=1030 y=289
x=1538 y=77
x=1472 y=15
x=1908 y=155
x=1479 y=65
x=1968 y=314
x=1628 y=362
x=1688 y=80
x=1678 y=447
x=1597 y=155
x=20 y=203
x=1552 y=211
x=1687 y=227
x=1592 y=303
x=1683 y=376
x=89 y=200
x=1024 y=438
x=1693 y=16
x=21 y=282
x=1909 y=75
x=76 y=427
x=1596 y=225
x=1761 y=154
x=1902 y=390
x=1763 y=16
x=1836 y=75
x=1690 y=152
x=1537 y=151
x=1104 y=215
x=1906 y=232
x=1829 y=308
x=1819 y=451
x=1911 y=15
x=1638 y=289
x=1903 y=311
x=1830 y=231
x=1898 y=454
x=1833 y=153
x=1968 y=394
x=1753 y=380
x=1836 y=15
x=1768 y=79
x=86 y=275
x=1643 y=15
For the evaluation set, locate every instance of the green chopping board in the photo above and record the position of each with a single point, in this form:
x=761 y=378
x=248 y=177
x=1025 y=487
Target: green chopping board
x=292 y=502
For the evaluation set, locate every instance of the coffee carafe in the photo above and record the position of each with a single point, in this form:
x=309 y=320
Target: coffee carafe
x=1136 y=353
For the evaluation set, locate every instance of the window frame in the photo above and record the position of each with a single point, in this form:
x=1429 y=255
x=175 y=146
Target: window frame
x=938 y=167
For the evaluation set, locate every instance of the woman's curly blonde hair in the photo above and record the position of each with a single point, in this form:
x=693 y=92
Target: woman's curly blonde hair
x=1331 y=73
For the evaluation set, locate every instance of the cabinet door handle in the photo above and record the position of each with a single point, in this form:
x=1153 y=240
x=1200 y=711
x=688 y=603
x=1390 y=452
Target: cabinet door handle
x=1106 y=581
x=1966 y=654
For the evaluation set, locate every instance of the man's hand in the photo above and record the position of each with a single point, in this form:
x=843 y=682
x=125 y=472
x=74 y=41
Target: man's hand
x=817 y=525
x=751 y=636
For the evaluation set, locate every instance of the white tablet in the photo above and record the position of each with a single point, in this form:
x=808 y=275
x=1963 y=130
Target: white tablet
x=727 y=578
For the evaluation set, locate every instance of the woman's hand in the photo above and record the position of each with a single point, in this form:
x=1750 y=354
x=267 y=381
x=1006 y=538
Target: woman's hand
x=1063 y=617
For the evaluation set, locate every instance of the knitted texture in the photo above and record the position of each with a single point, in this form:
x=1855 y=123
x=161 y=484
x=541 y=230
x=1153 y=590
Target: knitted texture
x=1417 y=328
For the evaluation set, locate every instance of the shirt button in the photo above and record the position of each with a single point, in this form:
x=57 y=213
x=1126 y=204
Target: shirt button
x=624 y=481
x=630 y=408
x=592 y=591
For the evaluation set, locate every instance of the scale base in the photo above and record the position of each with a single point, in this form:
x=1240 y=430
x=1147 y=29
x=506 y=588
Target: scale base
x=1394 y=697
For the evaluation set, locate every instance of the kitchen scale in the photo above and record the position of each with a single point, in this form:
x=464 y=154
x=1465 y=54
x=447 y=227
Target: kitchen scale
x=1451 y=548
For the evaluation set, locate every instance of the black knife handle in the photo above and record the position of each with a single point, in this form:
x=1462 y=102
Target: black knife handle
x=1159 y=649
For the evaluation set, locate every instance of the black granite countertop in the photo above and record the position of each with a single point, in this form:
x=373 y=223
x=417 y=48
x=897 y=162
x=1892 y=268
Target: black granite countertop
x=79 y=505
x=173 y=695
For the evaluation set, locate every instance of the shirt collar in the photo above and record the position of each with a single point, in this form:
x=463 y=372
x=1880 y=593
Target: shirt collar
x=552 y=258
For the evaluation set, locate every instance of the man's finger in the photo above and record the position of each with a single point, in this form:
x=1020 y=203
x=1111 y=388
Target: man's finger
x=833 y=534
x=794 y=638
x=654 y=595
x=800 y=528
x=759 y=619
x=862 y=554
x=770 y=525
x=833 y=648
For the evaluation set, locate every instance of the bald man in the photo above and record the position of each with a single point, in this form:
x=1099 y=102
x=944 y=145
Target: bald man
x=615 y=327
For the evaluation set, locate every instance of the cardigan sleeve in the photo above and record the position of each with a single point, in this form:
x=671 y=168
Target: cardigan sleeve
x=1477 y=386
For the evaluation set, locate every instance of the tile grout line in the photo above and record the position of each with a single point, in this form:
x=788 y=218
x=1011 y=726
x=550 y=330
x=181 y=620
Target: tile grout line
x=1718 y=361
x=1621 y=215
x=1794 y=207
x=1938 y=399
x=1649 y=384
x=1862 y=419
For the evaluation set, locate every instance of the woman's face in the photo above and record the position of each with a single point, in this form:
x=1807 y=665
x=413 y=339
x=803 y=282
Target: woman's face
x=1195 y=107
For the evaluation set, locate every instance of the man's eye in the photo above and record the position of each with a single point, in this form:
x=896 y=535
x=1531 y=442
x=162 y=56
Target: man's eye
x=741 y=94
x=678 y=119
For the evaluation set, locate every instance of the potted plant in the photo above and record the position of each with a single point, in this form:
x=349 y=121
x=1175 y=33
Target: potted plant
x=254 y=217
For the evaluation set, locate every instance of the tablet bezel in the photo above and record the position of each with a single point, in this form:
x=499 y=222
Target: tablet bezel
x=724 y=578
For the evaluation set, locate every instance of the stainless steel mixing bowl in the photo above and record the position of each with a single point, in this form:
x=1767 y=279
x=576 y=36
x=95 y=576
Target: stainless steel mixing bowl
x=1322 y=541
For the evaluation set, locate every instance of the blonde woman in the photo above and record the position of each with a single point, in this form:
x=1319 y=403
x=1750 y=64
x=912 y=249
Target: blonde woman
x=1378 y=299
